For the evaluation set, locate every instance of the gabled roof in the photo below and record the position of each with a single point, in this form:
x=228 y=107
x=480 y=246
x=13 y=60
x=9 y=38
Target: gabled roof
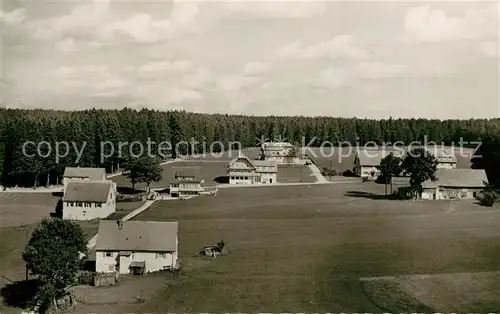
x=460 y=178
x=187 y=171
x=241 y=157
x=373 y=157
x=87 y=191
x=82 y=172
x=155 y=236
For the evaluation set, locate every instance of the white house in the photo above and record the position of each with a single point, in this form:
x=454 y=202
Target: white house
x=282 y=153
x=455 y=184
x=136 y=246
x=89 y=199
x=187 y=182
x=77 y=173
x=242 y=170
x=367 y=160
x=445 y=157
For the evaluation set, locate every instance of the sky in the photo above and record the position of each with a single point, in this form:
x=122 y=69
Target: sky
x=334 y=58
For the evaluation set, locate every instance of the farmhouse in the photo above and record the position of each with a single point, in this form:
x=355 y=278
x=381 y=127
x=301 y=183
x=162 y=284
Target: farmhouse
x=136 y=246
x=187 y=182
x=242 y=170
x=367 y=160
x=89 y=199
x=77 y=173
x=282 y=153
x=456 y=184
x=446 y=158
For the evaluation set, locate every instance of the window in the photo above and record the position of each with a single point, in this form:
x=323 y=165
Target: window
x=132 y=255
x=156 y=255
x=246 y=178
x=79 y=204
x=163 y=255
x=107 y=254
x=98 y=205
x=86 y=204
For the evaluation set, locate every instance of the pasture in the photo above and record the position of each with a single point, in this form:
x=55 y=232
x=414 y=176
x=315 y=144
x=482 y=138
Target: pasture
x=304 y=249
x=19 y=213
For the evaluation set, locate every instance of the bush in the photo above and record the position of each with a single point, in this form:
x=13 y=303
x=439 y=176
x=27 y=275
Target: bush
x=329 y=172
x=348 y=173
x=488 y=198
x=86 y=277
x=130 y=198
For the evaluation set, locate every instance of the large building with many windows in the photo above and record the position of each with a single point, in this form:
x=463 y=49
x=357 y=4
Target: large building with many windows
x=243 y=170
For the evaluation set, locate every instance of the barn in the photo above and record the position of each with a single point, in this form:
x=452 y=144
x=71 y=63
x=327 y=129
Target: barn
x=455 y=184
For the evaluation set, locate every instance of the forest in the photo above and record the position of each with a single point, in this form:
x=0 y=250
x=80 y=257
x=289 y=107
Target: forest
x=93 y=127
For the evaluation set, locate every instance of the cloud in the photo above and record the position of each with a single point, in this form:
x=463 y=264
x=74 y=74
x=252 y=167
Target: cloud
x=278 y=9
x=427 y=24
x=88 y=79
x=97 y=22
x=488 y=49
x=17 y=16
x=156 y=69
x=70 y=45
x=256 y=68
x=332 y=78
x=341 y=46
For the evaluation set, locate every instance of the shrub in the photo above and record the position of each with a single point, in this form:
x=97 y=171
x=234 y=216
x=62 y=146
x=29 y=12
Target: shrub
x=329 y=172
x=86 y=277
x=488 y=198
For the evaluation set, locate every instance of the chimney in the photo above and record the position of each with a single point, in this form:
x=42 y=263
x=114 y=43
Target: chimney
x=120 y=224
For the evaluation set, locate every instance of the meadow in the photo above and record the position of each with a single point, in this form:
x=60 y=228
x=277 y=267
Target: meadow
x=308 y=248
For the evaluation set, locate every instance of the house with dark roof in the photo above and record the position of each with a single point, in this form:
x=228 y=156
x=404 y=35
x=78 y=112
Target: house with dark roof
x=187 y=182
x=243 y=170
x=455 y=184
x=136 y=247
x=89 y=199
x=83 y=173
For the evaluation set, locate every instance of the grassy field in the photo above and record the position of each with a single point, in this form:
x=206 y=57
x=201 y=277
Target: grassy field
x=303 y=249
x=19 y=213
x=25 y=208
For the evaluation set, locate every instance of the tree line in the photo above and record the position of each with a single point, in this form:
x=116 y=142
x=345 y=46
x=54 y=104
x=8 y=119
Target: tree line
x=93 y=127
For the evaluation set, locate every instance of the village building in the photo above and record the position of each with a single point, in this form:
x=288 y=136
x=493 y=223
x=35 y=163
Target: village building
x=243 y=170
x=187 y=182
x=282 y=153
x=77 y=173
x=445 y=157
x=136 y=247
x=88 y=199
x=455 y=184
x=367 y=160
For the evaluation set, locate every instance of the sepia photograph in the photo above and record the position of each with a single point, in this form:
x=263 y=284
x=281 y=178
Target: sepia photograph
x=258 y=156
